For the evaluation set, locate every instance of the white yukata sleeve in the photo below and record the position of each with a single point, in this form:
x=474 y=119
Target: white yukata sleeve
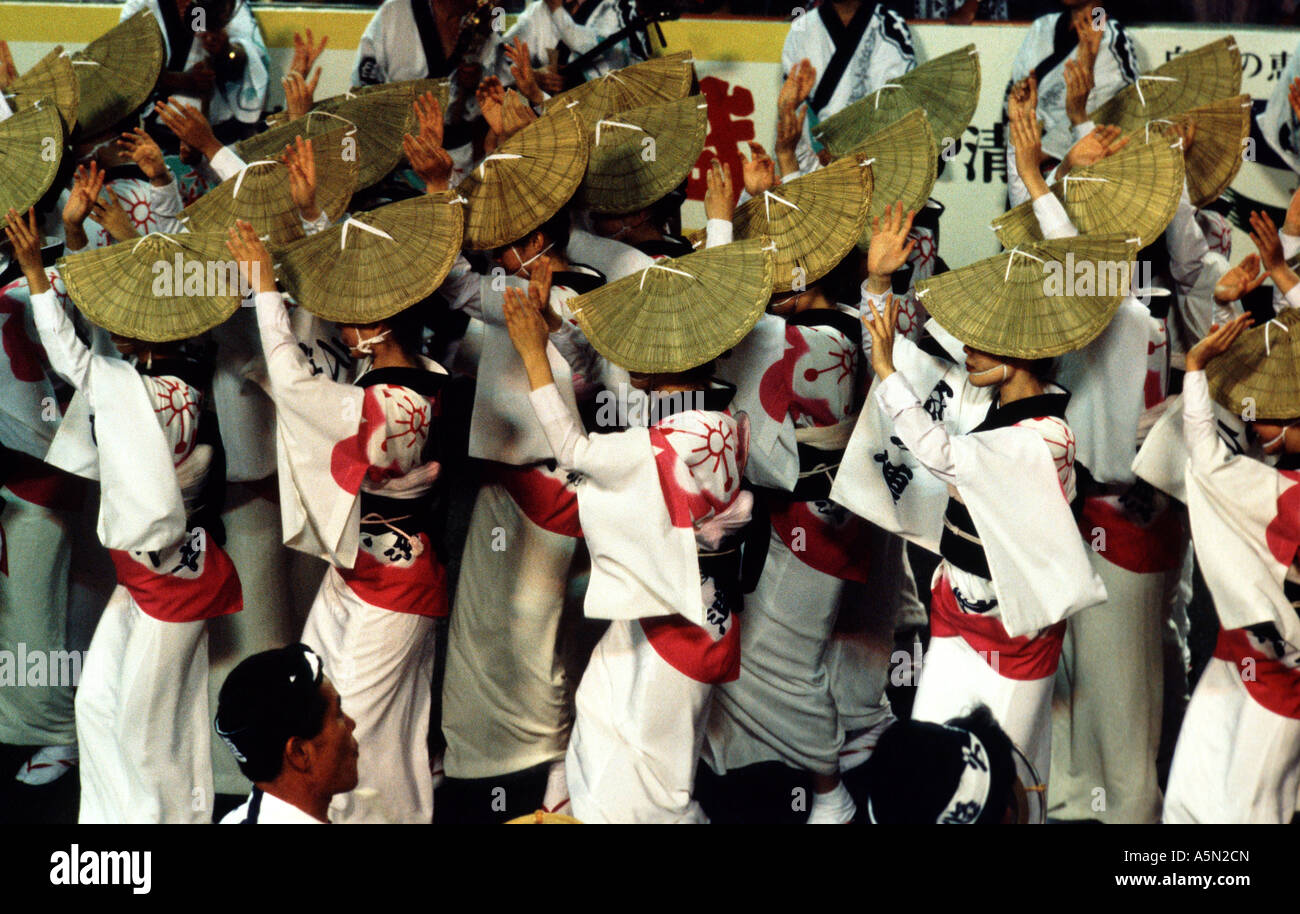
x=1052 y=217
x=226 y=163
x=1204 y=445
x=368 y=68
x=717 y=232
x=68 y=355
x=286 y=365
x=1186 y=243
x=580 y=38
x=166 y=205
x=314 y=226
x=1017 y=193
x=5 y=110
x=566 y=437
x=926 y=439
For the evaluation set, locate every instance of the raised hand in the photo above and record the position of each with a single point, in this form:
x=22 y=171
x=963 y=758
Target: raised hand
x=86 y=185
x=798 y=85
x=254 y=260
x=1243 y=278
x=299 y=93
x=25 y=236
x=1264 y=235
x=113 y=217
x=720 y=195
x=527 y=328
x=789 y=128
x=1218 y=341
x=1078 y=85
x=521 y=68
x=305 y=52
x=759 y=172
x=1100 y=143
x=301 y=162
x=428 y=160
x=515 y=115
x=890 y=246
x=144 y=152
x=491 y=97
x=189 y=125
x=539 y=292
x=428 y=114
x=1089 y=34
x=882 y=328
x=8 y=72
x=1027 y=140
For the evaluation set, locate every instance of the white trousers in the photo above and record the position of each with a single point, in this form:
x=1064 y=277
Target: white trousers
x=143 y=720
x=955 y=678
x=34 y=614
x=1108 y=702
x=637 y=735
x=381 y=662
x=1236 y=761
x=505 y=705
x=780 y=708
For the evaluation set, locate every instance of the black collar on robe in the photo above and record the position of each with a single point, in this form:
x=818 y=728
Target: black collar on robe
x=424 y=382
x=180 y=38
x=1052 y=404
x=437 y=61
x=846 y=39
x=1288 y=462
x=668 y=246
x=834 y=318
x=716 y=398
x=581 y=283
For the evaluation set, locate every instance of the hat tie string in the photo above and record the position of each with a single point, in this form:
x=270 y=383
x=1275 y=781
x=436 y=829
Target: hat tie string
x=656 y=266
x=343 y=240
x=1160 y=79
x=1285 y=329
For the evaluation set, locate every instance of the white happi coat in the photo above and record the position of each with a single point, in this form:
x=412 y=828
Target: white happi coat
x=882 y=51
x=1115 y=67
x=545 y=30
x=243 y=100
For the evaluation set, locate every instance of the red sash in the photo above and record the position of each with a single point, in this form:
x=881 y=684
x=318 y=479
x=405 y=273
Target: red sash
x=1272 y=685
x=691 y=650
x=1151 y=549
x=543 y=497
x=841 y=550
x=1024 y=658
x=168 y=597
x=419 y=588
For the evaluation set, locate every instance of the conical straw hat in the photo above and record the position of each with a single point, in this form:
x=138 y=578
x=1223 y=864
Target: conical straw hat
x=376 y=263
x=382 y=117
x=441 y=88
x=31 y=147
x=814 y=221
x=52 y=78
x=1038 y=300
x=117 y=71
x=1190 y=80
x=260 y=194
x=682 y=312
x=1262 y=368
x=525 y=182
x=661 y=79
x=1134 y=192
x=903 y=161
x=136 y=288
x=625 y=172
x=946 y=89
x=1216 y=154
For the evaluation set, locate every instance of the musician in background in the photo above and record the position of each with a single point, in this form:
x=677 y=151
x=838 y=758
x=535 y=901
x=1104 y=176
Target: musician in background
x=560 y=33
x=413 y=39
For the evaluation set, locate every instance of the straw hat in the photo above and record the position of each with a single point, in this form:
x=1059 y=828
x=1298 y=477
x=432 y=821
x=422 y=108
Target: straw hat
x=1216 y=154
x=376 y=263
x=1135 y=192
x=814 y=220
x=903 y=160
x=525 y=182
x=661 y=79
x=542 y=817
x=141 y=289
x=117 y=71
x=638 y=156
x=1040 y=299
x=260 y=193
x=682 y=312
x=1263 y=367
x=51 y=78
x=946 y=89
x=381 y=118
x=439 y=87
x=1190 y=80
x=31 y=147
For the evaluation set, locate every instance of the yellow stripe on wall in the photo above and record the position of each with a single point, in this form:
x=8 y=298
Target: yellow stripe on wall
x=82 y=23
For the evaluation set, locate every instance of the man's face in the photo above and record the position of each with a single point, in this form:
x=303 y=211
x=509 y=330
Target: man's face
x=335 y=749
x=980 y=365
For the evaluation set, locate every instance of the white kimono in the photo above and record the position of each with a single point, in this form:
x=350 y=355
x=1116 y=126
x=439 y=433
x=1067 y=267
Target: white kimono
x=1238 y=754
x=546 y=30
x=878 y=45
x=242 y=101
